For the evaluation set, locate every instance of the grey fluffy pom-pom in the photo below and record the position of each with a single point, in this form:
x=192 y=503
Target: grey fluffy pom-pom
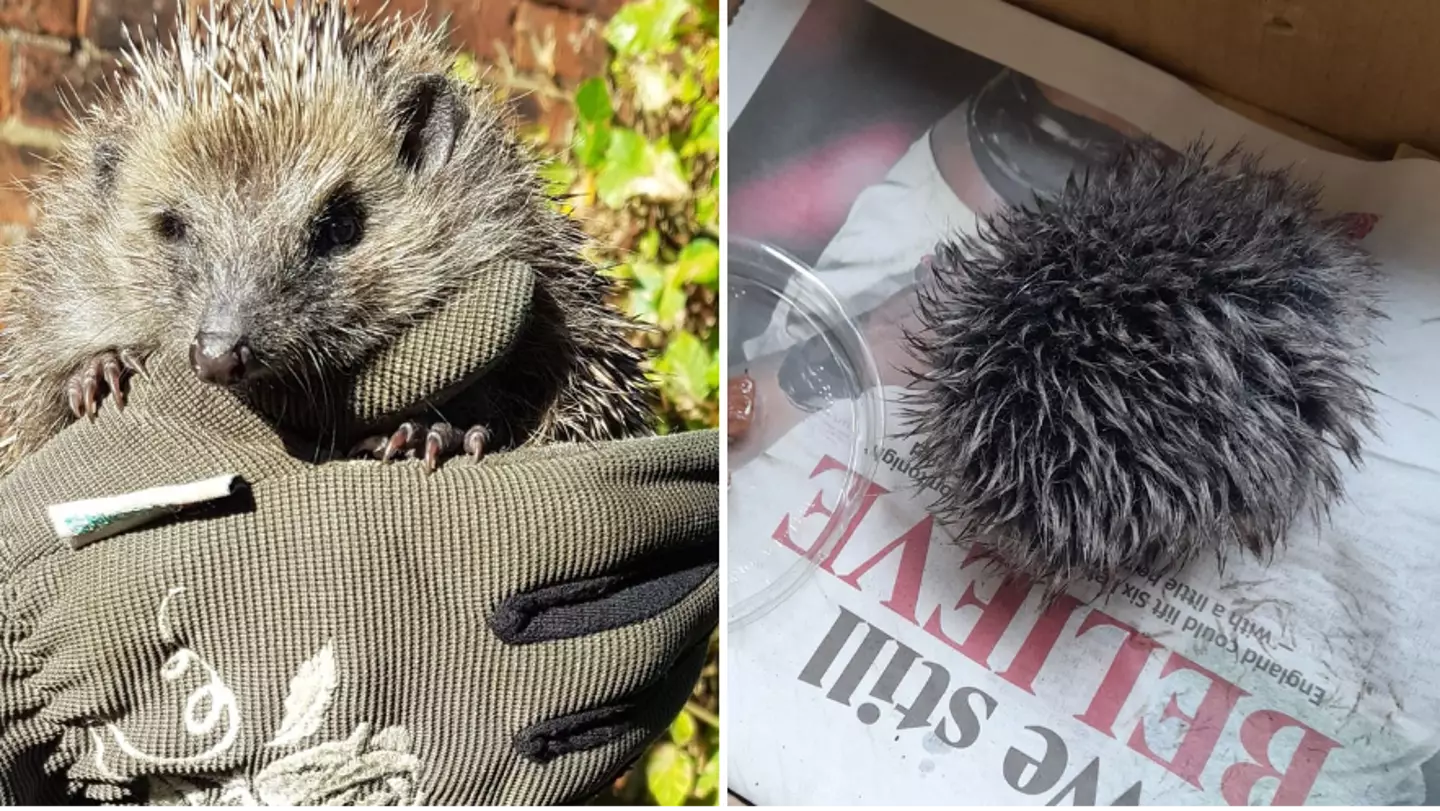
x=1165 y=360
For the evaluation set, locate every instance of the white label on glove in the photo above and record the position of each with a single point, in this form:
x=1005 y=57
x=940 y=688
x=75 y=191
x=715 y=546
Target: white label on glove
x=84 y=522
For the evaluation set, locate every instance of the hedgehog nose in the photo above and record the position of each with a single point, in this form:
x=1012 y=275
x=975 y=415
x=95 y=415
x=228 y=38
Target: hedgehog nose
x=220 y=358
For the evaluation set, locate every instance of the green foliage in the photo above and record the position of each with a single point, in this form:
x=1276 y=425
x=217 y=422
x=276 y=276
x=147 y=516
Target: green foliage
x=641 y=170
x=683 y=767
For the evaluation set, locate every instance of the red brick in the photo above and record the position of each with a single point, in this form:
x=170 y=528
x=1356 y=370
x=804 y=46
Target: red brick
x=107 y=18
x=17 y=165
x=599 y=8
x=53 y=17
x=47 y=76
x=483 y=27
x=578 y=48
x=554 y=115
x=7 y=102
x=405 y=8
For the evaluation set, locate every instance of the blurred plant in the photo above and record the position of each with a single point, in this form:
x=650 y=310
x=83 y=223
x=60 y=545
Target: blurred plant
x=683 y=767
x=641 y=170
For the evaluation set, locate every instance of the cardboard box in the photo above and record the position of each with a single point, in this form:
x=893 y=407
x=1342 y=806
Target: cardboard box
x=1353 y=77
x=1361 y=75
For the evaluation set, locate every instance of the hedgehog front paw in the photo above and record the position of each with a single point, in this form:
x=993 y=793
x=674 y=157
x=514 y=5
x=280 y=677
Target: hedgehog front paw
x=106 y=373
x=434 y=443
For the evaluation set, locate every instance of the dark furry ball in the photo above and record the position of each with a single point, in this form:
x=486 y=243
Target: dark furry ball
x=1160 y=362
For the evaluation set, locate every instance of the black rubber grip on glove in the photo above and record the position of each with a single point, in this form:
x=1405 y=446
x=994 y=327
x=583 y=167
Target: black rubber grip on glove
x=595 y=727
x=583 y=607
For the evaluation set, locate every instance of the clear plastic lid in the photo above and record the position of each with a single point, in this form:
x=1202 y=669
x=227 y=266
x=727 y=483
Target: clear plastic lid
x=842 y=391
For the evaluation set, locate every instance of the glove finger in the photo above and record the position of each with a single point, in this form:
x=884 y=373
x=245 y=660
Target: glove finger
x=426 y=364
x=568 y=758
x=170 y=391
x=612 y=672
x=639 y=590
x=624 y=612
x=498 y=530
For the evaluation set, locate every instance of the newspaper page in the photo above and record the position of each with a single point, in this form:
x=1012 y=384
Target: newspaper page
x=905 y=672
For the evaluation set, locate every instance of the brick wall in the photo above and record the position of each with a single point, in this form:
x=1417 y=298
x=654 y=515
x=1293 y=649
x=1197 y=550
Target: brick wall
x=54 y=49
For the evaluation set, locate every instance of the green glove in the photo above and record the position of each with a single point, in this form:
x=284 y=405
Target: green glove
x=512 y=631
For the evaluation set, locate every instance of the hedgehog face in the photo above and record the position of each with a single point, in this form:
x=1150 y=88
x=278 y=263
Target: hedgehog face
x=302 y=186
x=296 y=238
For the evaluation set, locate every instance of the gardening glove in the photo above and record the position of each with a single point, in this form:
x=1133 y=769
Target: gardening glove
x=503 y=632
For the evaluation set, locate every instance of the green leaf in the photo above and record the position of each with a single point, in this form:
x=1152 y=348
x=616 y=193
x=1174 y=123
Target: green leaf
x=711 y=72
x=647 y=294
x=709 y=781
x=635 y=167
x=687 y=365
x=703 y=63
x=592 y=102
x=593 y=110
x=712 y=375
x=591 y=142
x=648 y=246
x=704 y=131
x=670 y=307
x=622 y=271
x=643 y=26
x=688 y=90
x=699 y=263
x=707 y=211
x=649 y=275
x=559 y=177
x=641 y=306
x=682 y=729
x=466 y=69
x=709 y=16
x=670 y=774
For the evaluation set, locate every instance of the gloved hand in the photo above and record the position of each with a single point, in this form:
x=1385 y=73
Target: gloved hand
x=512 y=631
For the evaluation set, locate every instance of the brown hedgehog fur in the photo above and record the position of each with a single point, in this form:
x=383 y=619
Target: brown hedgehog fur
x=192 y=192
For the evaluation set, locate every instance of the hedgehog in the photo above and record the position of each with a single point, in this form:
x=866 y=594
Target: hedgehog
x=281 y=191
x=1165 y=360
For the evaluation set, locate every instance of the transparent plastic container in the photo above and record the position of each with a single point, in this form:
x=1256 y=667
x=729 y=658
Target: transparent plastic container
x=843 y=392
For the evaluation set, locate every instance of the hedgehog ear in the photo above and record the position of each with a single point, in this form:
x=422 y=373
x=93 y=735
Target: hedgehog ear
x=430 y=116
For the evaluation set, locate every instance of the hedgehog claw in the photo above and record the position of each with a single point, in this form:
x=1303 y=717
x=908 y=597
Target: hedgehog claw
x=133 y=362
x=403 y=439
x=369 y=447
x=433 y=443
x=103 y=374
x=113 y=371
x=442 y=440
x=475 y=441
x=91 y=388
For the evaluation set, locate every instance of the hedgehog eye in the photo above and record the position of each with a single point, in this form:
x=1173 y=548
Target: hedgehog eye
x=339 y=227
x=170 y=226
x=336 y=233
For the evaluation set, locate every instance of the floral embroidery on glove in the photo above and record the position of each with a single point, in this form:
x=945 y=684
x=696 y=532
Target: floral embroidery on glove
x=366 y=768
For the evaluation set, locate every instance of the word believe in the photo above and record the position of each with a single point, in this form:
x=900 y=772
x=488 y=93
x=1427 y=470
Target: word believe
x=995 y=616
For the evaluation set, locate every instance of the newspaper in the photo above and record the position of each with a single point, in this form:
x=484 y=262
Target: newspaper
x=861 y=134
